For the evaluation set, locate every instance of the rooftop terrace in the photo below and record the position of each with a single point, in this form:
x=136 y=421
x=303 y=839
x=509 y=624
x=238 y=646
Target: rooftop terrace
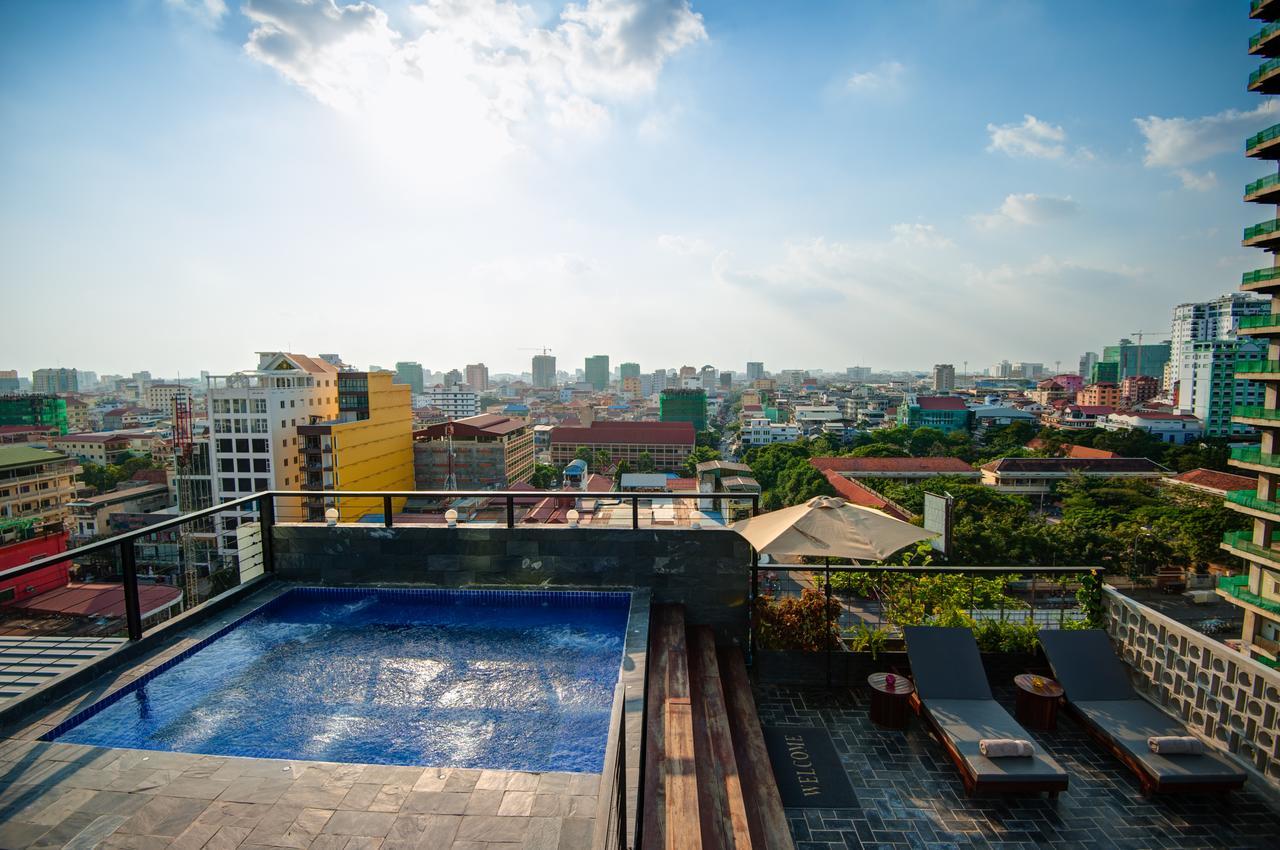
x=905 y=792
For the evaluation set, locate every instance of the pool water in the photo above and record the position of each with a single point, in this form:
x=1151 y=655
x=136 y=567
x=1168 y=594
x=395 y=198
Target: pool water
x=480 y=679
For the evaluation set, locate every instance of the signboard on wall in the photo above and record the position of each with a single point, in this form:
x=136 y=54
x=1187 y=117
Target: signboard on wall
x=937 y=518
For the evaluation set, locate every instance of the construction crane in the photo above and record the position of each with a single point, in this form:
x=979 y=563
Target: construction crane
x=544 y=349
x=1139 y=335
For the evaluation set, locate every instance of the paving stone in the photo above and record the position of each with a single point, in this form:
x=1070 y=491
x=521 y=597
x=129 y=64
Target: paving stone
x=360 y=823
x=492 y=828
x=483 y=803
x=435 y=803
x=517 y=803
x=163 y=816
x=360 y=796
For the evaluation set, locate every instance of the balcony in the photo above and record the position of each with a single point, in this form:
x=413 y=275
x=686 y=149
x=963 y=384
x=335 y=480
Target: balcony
x=1267 y=323
x=1264 y=10
x=1237 y=587
x=1253 y=506
x=1256 y=459
x=1258 y=370
x=1266 y=80
x=1241 y=543
x=1264 y=144
x=1265 y=43
x=1263 y=191
x=1260 y=417
x=1261 y=280
x=1264 y=234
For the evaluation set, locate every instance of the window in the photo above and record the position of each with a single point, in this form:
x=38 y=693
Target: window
x=224 y=446
x=242 y=426
x=246 y=485
x=242 y=464
x=260 y=447
x=260 y=484
x=258 y=405
x=259 y=426
x=221 y=405
x=228 y=485
x=226 y=464
x=282 y=404
x=284 y=424
x=222 y=426
x=261 y=464
x=291 y=403
x=242 y=446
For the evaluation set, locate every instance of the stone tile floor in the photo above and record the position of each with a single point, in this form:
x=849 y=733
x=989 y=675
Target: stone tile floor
x=910 y=795
x=79 y=797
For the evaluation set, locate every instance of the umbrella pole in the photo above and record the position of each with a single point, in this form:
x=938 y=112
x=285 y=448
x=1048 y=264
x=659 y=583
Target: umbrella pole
x=751 y=607
x=827 y=590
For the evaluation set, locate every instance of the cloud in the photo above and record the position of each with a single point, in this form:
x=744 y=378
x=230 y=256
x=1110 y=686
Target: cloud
x=1028 y=209
x=1175 y=143
x=1031 y=138
x=471 y=71
x=1198 y=182
x=683 y=246
x=208 y=12
x=919 y=235
x=883 y=76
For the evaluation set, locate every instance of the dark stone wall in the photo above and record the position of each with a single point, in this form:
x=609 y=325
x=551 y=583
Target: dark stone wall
x=706 y=569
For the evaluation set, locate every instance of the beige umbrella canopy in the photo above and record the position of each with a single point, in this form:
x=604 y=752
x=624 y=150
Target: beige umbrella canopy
x=830 y=527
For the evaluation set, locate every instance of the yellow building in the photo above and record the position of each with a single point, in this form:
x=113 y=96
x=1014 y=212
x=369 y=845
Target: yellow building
x=369 y=446
x=35 y=488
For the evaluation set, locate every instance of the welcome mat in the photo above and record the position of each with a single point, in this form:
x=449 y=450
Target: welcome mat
x=808 y=769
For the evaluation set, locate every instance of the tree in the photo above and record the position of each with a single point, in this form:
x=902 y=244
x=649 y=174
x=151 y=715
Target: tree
x=700 y=454
x=709 y=438
x=603 y=460
x=585 y=454
x=545 y=476
x=879 y=450
x=645 y=463
x=926 y=441
x=487 y=401
x=623 y=468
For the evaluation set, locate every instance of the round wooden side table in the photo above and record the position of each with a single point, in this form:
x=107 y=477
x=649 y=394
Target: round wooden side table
x=1037 y=705
x=890 y=699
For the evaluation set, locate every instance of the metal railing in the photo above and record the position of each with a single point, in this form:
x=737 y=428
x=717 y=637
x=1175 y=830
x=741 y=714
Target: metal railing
x=1022 y=598
x=610 y=831
x=1268 y=182
x=1262 y=228
x=1249 y=499
x=118 y=552
x=1266 y=69
x=1267 y=135
x=1246 y=454
x=1260 y=276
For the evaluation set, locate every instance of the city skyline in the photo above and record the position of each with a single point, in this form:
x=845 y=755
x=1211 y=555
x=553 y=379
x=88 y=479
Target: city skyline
x=847 y=185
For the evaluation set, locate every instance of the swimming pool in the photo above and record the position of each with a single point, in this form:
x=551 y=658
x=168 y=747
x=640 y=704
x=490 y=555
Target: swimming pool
x=514 y=680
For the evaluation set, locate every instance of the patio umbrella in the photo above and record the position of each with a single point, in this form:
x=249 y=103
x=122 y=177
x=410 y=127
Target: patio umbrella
x=828 y=527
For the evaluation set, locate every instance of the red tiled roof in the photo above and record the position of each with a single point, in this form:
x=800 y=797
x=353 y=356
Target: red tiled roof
x=94 y=437
x=1093 y=409
x=151 y=476
x=23 y=429
x=674 y=484
x=1210 y=479
x=940 y=402
x=1073 y=464
x=487 y=425
x=100 y=600
x=890 y=464
x=1088 y=452
x=673 y=433
x=859 y=494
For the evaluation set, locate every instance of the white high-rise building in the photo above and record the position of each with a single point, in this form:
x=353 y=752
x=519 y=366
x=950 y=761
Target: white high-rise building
x=253 y=430
x=1203 y=350
x=456 y=402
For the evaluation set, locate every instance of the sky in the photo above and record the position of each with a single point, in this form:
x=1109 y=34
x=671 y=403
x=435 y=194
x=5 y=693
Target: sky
x=812 y=185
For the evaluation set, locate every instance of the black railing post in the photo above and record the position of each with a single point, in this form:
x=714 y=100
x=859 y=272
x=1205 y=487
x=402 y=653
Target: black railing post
x=635 y=512
x=266 y=522
x=511 y=512
x=132 y=608
x=386 y=511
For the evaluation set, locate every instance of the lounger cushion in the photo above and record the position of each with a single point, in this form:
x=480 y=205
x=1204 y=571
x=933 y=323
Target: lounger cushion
x=945 y=663
x=966 y=722
x=1129 y=723
x=1086 y=665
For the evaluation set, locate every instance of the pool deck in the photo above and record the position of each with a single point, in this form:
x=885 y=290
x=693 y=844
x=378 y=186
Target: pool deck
x=80 y=797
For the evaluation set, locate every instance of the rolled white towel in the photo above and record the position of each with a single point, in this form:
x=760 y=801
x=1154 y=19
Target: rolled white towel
x=997 y=748
x=1173 y=745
